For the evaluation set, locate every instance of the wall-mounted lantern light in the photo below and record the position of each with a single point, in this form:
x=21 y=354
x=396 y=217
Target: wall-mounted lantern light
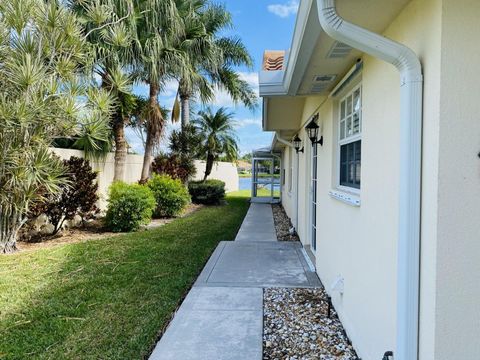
x=297 y=143
x=312 y=131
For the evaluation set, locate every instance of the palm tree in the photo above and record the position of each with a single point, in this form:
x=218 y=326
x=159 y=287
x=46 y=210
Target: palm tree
x=110 y=28
x=211 y=65
x=158 y=31
x=219 y=139
x=43 y=74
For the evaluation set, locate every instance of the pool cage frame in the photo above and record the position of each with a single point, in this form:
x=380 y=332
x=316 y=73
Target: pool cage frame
x=272 y=182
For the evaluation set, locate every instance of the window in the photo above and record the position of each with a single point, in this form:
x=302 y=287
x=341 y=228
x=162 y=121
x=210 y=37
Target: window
x=350 y=139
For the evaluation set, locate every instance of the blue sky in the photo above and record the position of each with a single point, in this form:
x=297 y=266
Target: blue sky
x=261 y=24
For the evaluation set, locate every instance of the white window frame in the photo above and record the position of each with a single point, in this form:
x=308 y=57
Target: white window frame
x=348 y=139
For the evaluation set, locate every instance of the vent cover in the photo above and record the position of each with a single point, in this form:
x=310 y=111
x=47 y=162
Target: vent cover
x=324 y=78
x=322 y=82
x=339 y=51
x=319 y=88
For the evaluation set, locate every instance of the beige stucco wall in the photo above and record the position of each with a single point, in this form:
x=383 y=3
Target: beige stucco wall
x=105 y=169
x=224 y=171
x=289 y=159
x=457 y=315
x=359 y=243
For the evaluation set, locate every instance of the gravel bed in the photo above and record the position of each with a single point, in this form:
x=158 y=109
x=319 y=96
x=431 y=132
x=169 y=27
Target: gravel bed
x=296 y=326
x=283 y=224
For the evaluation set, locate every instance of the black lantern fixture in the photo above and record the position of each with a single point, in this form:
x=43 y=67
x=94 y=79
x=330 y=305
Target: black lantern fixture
x=297 y=142
x=312 y=131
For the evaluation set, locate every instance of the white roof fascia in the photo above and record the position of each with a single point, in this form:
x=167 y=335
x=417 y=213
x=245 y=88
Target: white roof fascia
x=303 y=43
x=287 y=82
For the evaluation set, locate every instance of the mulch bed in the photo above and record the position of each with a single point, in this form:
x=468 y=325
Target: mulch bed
x=94 y=230
x=283 y=224
x=297 y=326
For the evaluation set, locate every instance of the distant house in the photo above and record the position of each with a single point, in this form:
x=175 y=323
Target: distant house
x=244 y=166
x=386 y=198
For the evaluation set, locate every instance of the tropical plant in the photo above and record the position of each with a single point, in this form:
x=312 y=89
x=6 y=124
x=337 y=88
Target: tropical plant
x=159 y=56
x=217 y=131
x=93 y=132
x=78 y=194
x=179 y=163
x=170 y=194
x=142 y=125
x=46 y=94
x=171 y=165
x=110 y=29
x=129 y=206
x=211 y=61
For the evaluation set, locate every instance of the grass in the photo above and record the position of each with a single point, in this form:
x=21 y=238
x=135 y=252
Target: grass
x=107 y=299
x=262 y=192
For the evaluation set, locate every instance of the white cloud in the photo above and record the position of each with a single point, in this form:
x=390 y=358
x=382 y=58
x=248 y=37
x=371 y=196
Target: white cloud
x=170 y=88
x=241 y=123
x=222 y=98
x=250 y=77
x=284 y=10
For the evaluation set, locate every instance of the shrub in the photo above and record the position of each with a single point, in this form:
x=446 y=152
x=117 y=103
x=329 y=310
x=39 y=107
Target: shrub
x=179 y=162
x=129 y=206
x=77 y=196
x=175 y=166
x=207 y=192
x=170 y=194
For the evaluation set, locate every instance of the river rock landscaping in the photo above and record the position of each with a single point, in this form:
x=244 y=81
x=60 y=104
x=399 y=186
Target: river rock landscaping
x=297 y=327
x=283 y=224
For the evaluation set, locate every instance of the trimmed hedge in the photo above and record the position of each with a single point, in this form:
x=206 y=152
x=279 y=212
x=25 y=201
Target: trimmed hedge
x=207 y=192
x=129 y=206
x=170 y=194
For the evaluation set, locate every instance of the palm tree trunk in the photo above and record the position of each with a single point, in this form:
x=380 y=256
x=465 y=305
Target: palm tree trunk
x=209 y=165
x=120 y=148
x=118 y=127
x=185 y=110
x=10 y=224
x=147 y=157
x=150 y=141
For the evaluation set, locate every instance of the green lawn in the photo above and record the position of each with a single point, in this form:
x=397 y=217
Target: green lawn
x=107 y=299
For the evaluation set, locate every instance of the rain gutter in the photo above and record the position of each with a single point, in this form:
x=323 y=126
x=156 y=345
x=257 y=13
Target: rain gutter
x=411 y=109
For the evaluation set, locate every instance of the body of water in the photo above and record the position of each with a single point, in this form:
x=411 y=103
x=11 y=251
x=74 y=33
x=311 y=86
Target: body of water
x=245 y=183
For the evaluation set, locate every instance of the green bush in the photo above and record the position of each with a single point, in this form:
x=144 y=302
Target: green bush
x=207 y=192
x=170 y=194
x=129 y=206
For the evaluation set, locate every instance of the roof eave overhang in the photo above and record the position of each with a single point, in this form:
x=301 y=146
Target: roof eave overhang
x=284 y=84
x=287 y=81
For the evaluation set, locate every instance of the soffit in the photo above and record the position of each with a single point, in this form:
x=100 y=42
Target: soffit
x=374 y=15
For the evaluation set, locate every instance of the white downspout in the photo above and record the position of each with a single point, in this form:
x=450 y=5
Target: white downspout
x=411 y=82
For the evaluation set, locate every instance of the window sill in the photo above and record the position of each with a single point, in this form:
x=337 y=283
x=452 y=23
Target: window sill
x=350 y=199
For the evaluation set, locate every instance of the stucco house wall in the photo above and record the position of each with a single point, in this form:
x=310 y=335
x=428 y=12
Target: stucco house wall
x=289 y=185
x=457 y=256
x=360 y=243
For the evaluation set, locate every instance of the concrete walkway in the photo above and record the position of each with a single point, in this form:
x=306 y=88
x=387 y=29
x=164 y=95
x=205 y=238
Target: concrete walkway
x=222 y=316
